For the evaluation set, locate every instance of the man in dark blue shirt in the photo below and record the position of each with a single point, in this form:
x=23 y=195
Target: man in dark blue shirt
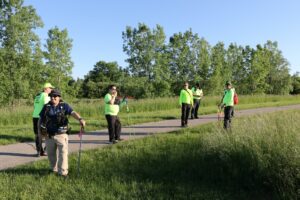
x=54 y=118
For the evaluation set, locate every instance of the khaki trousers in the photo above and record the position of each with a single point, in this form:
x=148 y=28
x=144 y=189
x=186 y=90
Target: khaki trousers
x=57 y=150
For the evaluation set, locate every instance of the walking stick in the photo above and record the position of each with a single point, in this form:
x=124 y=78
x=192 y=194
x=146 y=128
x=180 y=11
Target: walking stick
x=79 y=152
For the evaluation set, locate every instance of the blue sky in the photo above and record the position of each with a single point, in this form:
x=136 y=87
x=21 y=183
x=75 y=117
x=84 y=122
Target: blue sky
x=96 y=26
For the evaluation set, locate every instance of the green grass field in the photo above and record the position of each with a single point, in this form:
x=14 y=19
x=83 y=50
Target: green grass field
x=16 y=122
x=259 y=159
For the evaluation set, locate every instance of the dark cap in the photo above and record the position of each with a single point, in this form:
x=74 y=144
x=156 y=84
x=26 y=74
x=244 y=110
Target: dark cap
x=228 y=83
x=55 y=92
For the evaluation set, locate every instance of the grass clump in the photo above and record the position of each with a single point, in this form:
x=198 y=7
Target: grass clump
x=258 y=159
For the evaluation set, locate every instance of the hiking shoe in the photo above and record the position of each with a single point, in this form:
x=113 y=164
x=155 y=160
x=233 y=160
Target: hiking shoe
x=43 y=153
x=115 y=141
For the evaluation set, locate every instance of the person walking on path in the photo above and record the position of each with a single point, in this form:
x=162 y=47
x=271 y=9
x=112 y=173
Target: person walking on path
x=40 y=100
x=197 y=95
x=228 y=103
x=53 y=118
x=185 y=101
x=111 y=114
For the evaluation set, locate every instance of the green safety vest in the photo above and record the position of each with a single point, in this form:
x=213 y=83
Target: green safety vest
x=186 y=96
x=197 y=93
x=39 y=101
x=110 y=109
x=228 y=97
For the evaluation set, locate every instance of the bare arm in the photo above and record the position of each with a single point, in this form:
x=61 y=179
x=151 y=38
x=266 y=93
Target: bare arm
x=77 y=117
x=113 y=98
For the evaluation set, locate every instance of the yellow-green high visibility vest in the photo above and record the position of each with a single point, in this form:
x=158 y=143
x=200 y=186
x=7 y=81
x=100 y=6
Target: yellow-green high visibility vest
x=228 y=97
x=186 y=96
x=197 y=93
x=39 y=101
x=110 y=109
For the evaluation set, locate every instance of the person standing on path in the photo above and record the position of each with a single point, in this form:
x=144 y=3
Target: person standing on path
x=228 y=103
x=53 y=118
x=197 y=95
x=40 y=100
x=185 y=101
x=111 y=114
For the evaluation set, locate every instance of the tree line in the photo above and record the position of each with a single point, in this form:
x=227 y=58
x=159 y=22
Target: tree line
x=25 y=63
x=157 y=65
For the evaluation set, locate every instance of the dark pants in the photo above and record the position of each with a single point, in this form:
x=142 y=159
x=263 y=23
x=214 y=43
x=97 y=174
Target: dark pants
x=114 y=127
x=185 y=110
x=38 y=139
x=195 y=108
x=227 y=116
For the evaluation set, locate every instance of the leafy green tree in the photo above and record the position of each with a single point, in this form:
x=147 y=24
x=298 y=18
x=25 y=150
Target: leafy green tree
x=296 y=83
x=278 y=77
x=58 y=58
x=203 y=63
x=234 y=61
x=19 y=49
x=103 y=74
x=218 y=71
x=258 y=71
x=183 y=52
x=145 y=49
x=245 y=70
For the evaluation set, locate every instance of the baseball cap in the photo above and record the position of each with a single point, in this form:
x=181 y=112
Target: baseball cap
x=48 y=85
x=55 y=92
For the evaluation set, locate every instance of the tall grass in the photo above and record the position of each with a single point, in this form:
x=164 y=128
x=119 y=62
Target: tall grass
x=258 y=159
x=16 y=122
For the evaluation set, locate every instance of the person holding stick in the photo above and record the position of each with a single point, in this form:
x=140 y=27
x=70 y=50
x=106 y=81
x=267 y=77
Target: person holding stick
x=54 y=119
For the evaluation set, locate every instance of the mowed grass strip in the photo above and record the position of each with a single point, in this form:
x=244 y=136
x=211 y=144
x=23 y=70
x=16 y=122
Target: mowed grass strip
x=258 y=159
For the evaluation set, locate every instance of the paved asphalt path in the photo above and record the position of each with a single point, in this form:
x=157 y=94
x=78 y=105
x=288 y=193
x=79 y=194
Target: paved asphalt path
x=22 y=153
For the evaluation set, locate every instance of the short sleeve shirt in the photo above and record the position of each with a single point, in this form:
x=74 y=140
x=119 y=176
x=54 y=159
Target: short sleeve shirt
x=52 y=114
x=110 y=109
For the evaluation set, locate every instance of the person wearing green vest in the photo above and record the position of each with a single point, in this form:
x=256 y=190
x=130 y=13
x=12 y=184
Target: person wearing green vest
x=228 y=103
x=40 y=100
x=197 y=95
x=185 y=101
x=111 y=114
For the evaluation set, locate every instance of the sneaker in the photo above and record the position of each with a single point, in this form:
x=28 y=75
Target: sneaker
x=197 y=117
x=38 y=154
x=120 y=139
x=109 y=142
x=115 y=141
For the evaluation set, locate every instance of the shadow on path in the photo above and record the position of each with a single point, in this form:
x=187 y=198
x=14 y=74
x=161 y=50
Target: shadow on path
x=17 y=154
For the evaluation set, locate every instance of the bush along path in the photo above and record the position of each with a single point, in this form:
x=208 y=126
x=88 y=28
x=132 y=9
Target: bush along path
x=22 y=153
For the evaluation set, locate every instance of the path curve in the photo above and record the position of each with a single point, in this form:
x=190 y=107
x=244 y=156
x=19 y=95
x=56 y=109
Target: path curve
x=23 y=153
